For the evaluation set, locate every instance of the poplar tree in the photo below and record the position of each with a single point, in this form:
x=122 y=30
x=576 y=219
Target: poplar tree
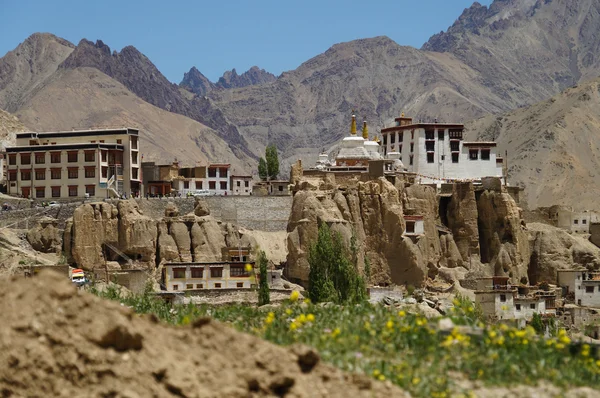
x=264 y=295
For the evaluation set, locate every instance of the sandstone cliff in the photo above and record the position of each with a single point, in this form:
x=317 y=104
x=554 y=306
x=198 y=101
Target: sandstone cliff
x=471 y=233
x=100 y=232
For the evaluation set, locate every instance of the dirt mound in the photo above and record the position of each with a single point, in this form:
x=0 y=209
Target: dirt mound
x=56 y=341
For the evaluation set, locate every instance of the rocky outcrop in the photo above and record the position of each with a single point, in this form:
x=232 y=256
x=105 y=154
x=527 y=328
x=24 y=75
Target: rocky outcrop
x=195 y=82
x=46 y=237
x=251 y=77
x=554 y=249
x=101 y=232
x=477 y=232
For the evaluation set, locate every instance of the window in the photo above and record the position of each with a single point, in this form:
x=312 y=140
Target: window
x=175 y=287
x=410 y=227
x=104 y=156
x=412 y=134
x=40 y=192
x=198 y=184
x=518 y=307
x=412 y=147
x=90 y=190
x=40 y=158
x=455 y=157
x=217 y=285
x=212 y=172
x=93 y=142
x=54 y=157
x=485 y=154
x=239 y=184
x=441 y=135
x=12 y=160
x=281 y=188
x=72 y=190
x=186 y=185
x=102 y=141
x=430 y=146
x=56 y=192
x=455 y=134
x=400 y=137
x=12 y=175
x=532 y=306
x=119 y=141
x=134 y=157
x=238 y=271
x=430 y=156
x=198 y=273
x=411 y=160
x=584 y=221
x=26 y=191
x=223 y=185
x=90 y=172
x=73 y=173
x=589 y=289
x=223 y=172
x=454 y=146
x=178 y=273
x=473 y=154
x=216 y=272
x=429 y=135
x=239 y=284
x=384 y=139
x=134 y=173
x=55 y=174
x=90 y=156
x=33 y=142
x=104 y=172
x=71 y=157
x=199 y=286
x=246 y=184
x=134 y=143
x=212 y=185
x=25 y=175
x=25 y=158
x=503 y=298
x=189 y=286
x=574 y=221
x=40 y=174
x=393 y=139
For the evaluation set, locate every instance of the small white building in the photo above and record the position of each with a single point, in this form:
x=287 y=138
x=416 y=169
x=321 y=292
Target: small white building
x=214 y=275
x=414 y=226
x=581 y=286
x=241 y=185
x=574 y=221
x=437 y=153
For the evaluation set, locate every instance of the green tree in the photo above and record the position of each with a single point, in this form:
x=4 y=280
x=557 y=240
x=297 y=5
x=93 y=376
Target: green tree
x=333 y=275
x=272 y=159
x=264 y=296
x=262 y=169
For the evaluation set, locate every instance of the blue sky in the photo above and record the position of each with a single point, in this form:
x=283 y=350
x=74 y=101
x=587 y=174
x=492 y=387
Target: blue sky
x=216 y=36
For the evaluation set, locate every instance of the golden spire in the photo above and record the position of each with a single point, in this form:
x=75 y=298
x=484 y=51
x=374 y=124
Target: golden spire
x=402 y=114
x=353 y=125
x=365 y=130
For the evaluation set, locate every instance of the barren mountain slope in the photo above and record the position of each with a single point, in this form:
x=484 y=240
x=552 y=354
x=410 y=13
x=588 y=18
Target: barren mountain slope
x=553 y=147
x=24 y=69
x=309 y=108
x=543 y=46
x=9 y=124
x=86 y=97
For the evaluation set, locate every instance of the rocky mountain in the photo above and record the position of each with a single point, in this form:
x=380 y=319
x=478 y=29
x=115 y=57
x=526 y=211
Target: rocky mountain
x=252 y=76
x=9 y=124
x=43 y=86
x=553 y=147
x=195 y=82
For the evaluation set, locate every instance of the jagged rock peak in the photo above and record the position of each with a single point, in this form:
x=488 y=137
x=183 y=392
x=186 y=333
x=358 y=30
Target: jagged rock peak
x=196 y=82
x=45 y=37
x=252 y=76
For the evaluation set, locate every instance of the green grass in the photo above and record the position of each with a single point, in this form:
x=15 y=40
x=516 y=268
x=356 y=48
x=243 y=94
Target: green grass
x=407 y=349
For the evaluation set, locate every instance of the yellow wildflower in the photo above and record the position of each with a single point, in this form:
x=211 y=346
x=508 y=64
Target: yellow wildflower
x=294 y=296
x=249 y=268
x=301 y=318
x=307 y=301
x=288 y=311
x=336 y=332
x=270 y=318
x=389 y=325
x=310 y=318
x=416 y=380
x=480 y=373
x=381 y=377
x=401 y=314
x=293 y=326
x=585 y=350
x=376 y=373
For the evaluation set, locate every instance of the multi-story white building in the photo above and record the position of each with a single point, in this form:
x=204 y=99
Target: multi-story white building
x=214 y=179
x=581 y=286
x=437 y=152
x=72 y=164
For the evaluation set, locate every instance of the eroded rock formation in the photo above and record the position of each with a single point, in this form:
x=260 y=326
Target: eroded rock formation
x=470 y=232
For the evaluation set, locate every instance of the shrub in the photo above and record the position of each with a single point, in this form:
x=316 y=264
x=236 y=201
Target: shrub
x=264 y=296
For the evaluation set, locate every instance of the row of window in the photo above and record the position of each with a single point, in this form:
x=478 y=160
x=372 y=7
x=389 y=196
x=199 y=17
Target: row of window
x=55 y=174
x=211 y=185
x=55 y=157
x=55 y=192
x=212 y=172
x=454 y=134
x=190 y=286
x=198 y=273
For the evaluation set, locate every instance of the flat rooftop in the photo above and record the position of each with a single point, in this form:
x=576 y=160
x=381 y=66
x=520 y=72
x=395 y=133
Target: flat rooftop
x=79 y=133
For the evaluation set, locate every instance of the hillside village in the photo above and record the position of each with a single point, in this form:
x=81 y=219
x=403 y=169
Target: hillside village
x=429 y=205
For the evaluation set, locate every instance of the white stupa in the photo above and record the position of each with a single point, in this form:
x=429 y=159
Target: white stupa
x=357 y=151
